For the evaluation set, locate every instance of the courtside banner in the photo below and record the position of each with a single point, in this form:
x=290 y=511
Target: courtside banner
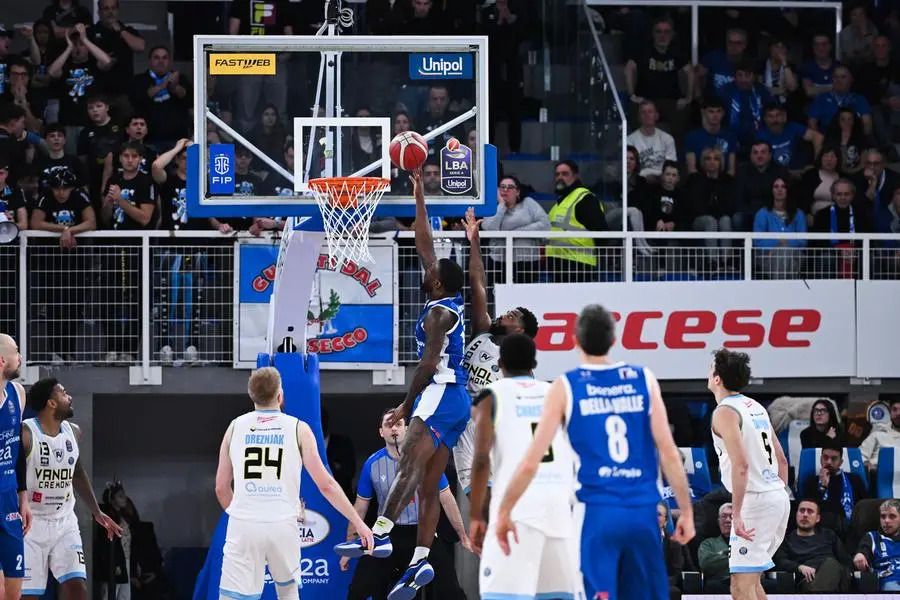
x=351 y=320
x=799 y=597
x=878 y=328
x=790 y=328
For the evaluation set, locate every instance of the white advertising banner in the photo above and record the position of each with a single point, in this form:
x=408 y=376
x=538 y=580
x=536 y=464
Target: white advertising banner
x=877 y=328
x=789 y=328
x=800 y=597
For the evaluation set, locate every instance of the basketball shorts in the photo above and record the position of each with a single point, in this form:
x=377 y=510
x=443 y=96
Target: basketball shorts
x=463 y=455
x=622 y=553
x=249 y=545
x=53 y=544
x=768 y=514
x=538 y=566
x=445 y=408
x=12 y=546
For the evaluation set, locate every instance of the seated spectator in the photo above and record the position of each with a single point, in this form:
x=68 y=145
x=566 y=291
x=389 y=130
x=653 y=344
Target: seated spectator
x=886 y=221
x=879 y=81
x=779 y=259
x=711 y=135
x=709 y=194
x=882 y=436
x=20 y=92
x=814 y=553
x=778 y=75
x=663 y=203
x=815 y=185
x=673 y=552
x=745 y=99
x=753 y=185
x=13 y=205
x=637 y=191
x=856 y=38
x=784 y=136
x=879 y=551
x=655 y=146
x=717 y=69
x=826 y=106
x=824 y=429
x=846 y=214
x=817 y=72
x=653 y=74
x=714 y=553
x=836 y=491
x=56 y=159
x=878 y=183
x=846 y=132
x=163 y=97
x=269 y=134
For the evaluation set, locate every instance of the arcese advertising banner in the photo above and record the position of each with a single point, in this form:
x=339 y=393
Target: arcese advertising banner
x=351 y=320
x=790 y=328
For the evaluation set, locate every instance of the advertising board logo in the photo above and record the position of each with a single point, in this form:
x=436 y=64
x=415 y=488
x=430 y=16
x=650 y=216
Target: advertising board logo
x=456 y=168
x=221 y=169
x=242 y=64
x=314 y=529
x=440 y=66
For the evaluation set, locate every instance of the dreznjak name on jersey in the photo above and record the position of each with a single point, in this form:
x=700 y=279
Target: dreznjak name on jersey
x=264 y=439
x=625 y=399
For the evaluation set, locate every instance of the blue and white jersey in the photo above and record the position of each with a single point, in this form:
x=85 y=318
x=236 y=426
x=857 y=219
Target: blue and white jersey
x=376 y=478
x=608 y=424
x=10 y=432
x=450 y=367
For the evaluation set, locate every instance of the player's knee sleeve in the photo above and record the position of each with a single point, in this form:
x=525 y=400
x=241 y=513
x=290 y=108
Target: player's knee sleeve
x=288 y=592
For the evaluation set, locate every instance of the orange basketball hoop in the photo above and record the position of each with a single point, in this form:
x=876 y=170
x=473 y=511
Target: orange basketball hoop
x=347 y=205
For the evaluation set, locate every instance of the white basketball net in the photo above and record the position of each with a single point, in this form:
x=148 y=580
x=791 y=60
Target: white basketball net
x=347 y=205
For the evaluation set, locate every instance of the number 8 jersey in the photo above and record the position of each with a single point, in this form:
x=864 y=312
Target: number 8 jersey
x=608 y=424
x=265 y=456
x=756 y=436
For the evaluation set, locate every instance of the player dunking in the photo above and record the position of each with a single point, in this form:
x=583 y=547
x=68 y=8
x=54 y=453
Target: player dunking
x=755 y=471
x=15 y=514
x=481 y=356
x=506 y=413
x=55 y=471
x=615 y=420
x=439 y=405
x=263 y=453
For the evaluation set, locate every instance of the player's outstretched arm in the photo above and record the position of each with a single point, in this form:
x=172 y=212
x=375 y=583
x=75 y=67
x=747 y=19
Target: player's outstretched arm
x=481 y=319
x=81 y=481
x=482 y=414
x=451 y=509
x=327 y=484
x=225 y=471
x=422 y=224
x=670 y=460
x=726 y=423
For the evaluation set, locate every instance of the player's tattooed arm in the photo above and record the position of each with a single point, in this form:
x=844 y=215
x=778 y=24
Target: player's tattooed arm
x=422 y=224
x=481 y=319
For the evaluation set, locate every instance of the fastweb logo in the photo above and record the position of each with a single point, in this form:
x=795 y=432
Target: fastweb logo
x=440 y=66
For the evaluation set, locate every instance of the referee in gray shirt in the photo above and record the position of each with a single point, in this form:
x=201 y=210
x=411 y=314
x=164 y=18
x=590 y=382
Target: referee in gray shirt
x=373 y=577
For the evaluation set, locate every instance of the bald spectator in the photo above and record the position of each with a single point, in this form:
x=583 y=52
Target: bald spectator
x=654 y=145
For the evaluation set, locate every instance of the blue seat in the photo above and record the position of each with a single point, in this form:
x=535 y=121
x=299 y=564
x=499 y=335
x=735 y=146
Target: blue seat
x=696 y=466
x=810 y=461
x=887 y=479
x=790 y=441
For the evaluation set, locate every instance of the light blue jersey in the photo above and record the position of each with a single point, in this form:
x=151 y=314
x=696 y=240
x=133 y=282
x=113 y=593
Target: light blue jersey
x=450 y=367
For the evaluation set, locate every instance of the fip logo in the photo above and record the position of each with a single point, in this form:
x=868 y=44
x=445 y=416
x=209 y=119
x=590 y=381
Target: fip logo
x=440 y=66
x=221 y=169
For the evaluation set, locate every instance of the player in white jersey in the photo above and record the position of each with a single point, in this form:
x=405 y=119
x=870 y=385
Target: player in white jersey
x=755 y=471
x=54 y=472
x=543 y=563
x=262 y=454
x=482 y=355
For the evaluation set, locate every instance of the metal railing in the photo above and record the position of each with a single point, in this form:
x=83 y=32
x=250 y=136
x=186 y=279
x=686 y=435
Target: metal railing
x=167 y=298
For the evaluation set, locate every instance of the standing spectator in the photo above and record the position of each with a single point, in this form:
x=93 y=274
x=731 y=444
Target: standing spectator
x=879 y=81
x=654 y=75
x=879 y=551
x=247 y=18
x=130 y=196
x=571 y=260
x=753 y=185
x=162 y=96
x=13 y=207
x=269 y=135
x=815 y=185
x=717 y=69
x=817 y=72
x=857 y=37
x=779 y=259
x=824 y=427
x=171 y=185
x=506 y=30
x=135 y=131
x=882 y=436
x=836 y=491
x=515 y=212
x=826 y=106
x=784 y=138
x=846 y=132
x=745 y=99
x=711 y=135
x=64 y=15
x=814 y=553
x=713 y=555
x=98 y=139
x=18 y=91
x=120 y=42
x=654 y=146
x=709 y=193
x=778 y=75
x=40 y=53
x=13 y=139
x=56 y=159
x=5 y=38
x=77 y=67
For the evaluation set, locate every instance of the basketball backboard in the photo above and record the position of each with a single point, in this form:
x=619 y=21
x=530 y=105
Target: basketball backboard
x=344 y=98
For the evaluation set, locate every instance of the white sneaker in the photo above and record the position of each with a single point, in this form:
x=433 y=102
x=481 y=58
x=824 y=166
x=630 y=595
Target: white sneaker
x=190 y=354
x=111 y=357
x=57 y=360
x=165 y=354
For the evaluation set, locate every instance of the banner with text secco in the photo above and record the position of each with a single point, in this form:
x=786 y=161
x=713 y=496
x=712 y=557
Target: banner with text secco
x=351 y=320
x=789 y=328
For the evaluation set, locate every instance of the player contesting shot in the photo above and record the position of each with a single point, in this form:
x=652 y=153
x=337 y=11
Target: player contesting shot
x=262 y=455
x=614 y=417
x=755 y=471
x=438 y=403
x=481 y=357
x=55 y=471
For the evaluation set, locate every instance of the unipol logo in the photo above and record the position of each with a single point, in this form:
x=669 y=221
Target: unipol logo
x=441 y=67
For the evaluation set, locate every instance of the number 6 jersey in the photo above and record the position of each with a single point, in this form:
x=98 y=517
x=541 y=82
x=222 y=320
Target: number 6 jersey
x=265 y=456
x=757 y=439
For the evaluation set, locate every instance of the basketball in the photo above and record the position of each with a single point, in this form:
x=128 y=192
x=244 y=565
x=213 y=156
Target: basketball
x=408 y=150
x=453 y=144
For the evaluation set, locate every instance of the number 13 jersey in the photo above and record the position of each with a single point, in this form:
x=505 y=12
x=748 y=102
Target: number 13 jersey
x=265 y=456
x=757 y=438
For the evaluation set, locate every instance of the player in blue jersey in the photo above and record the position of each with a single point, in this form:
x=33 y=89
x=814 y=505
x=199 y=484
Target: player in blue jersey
x=439 y=406
x=615 y=419
x=15 y=515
